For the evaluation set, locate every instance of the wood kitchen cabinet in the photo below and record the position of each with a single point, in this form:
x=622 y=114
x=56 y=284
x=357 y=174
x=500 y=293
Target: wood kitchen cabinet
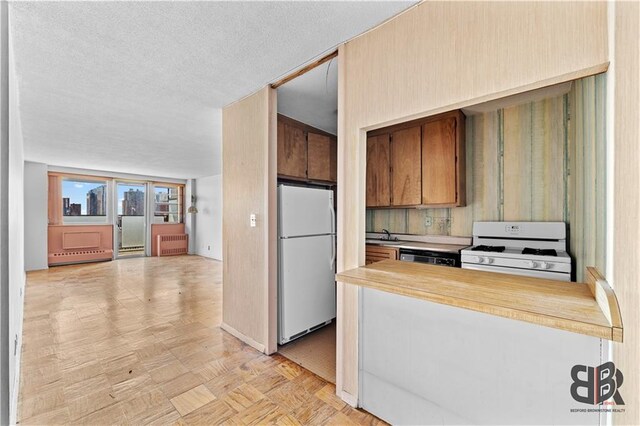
x=378 y=171
x=419 y=163
x=374 y=253
x=406 y=173
x=292 y=151
x=443 y=162
x=305 y=153
x=321 y=157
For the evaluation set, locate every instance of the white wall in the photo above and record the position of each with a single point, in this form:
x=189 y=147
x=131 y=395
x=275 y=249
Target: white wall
x=35 y=215
x=16 y=238
x=4 y=213
x=209 y=217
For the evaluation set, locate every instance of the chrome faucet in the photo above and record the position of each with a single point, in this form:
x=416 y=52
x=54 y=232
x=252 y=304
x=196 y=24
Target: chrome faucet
x=388 y=235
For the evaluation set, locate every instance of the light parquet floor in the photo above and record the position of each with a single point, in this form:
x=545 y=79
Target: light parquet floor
x=137 y=341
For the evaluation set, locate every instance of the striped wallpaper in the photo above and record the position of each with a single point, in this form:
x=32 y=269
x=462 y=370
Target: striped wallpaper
x=539 y=161
x=587 y=165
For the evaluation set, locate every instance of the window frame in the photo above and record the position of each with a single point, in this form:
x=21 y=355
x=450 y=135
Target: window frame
x=180 y=204
x=85 y=219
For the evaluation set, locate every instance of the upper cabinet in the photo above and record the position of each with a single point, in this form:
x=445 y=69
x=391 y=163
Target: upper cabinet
x=305 y=153
x=443 y=162
x=378 y=171
x=420 y=163
x=406 y=175
x=292 y=151
x=321 y=157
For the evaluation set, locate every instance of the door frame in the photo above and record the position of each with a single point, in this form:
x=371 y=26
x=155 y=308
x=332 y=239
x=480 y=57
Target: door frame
x=147 y=224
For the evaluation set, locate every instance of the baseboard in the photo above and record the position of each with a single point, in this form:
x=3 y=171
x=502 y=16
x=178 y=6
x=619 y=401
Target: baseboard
x=352 y=400
x=208 y=256
x=248 y=340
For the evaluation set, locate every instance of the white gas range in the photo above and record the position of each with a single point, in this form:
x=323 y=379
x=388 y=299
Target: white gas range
x=533 y=249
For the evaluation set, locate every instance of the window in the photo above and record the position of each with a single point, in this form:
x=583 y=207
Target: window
x=168 y=204
x=84 y=198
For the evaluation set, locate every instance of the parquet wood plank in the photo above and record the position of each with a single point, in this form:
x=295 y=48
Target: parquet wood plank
x=118 y=342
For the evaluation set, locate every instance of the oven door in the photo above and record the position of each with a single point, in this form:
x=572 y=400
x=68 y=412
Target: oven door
x=559 y=276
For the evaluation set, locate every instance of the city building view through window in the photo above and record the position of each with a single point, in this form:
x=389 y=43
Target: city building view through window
x=84 y=198
x=131 y=200
x=168 y=204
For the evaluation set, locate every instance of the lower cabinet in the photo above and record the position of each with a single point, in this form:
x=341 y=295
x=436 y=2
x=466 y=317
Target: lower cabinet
x=374 y=253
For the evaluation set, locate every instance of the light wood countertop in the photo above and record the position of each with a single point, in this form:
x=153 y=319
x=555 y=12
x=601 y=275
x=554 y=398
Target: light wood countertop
x=417 y=245
x=564 y=305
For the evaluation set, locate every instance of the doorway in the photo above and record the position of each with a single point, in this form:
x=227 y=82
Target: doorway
x=307 y=164
x=130 y=217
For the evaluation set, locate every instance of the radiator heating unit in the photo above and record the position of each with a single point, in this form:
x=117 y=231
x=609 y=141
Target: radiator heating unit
x=173 y=244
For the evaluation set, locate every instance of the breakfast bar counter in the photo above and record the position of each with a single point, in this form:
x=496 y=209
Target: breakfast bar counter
x=440 y=345
x=587 y=308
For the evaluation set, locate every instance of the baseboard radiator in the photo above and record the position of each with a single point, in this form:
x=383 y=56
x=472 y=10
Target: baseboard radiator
x=80 y=256
x=173 y=244
x=77 y=244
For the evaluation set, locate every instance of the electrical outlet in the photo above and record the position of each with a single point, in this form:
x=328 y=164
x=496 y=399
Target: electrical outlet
x=252 y=220
x=428 y=221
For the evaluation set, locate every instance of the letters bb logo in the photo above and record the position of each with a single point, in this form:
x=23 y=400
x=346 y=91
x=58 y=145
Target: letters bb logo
x=595 y=385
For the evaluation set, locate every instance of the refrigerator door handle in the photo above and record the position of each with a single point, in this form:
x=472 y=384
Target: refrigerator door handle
x=333 y=219
x=333 y=251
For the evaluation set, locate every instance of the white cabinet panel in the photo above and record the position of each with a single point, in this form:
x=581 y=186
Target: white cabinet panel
x=425 y=363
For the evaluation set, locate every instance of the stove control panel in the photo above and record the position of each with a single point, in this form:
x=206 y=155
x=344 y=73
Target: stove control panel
x=512 y=229
x=530 y=264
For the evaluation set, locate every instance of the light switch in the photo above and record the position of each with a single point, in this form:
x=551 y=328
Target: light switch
x=252 y=220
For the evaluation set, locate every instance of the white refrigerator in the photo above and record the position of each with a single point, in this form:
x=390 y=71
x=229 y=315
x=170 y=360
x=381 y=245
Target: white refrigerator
x=306 y=260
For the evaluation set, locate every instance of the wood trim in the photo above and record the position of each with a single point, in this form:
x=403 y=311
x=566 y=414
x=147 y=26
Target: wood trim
x=342 y=330
x=83 y=176
x=246 y=339
x=271 y=242
x=304 y=70
x=352 y=400
x=606 y=299
x=54 y=200
x=555 y=304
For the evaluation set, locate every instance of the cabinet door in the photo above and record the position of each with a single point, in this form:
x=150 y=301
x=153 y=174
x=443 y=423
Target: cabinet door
x=292 y=151
x=439 y=168
x=319 y=148
x=406 y=167
x=374 y=253
x=378 y=177
x=333 y=160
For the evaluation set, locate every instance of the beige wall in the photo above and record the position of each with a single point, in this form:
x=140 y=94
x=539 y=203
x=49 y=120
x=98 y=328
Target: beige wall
x=436 y=57
x=626 y=220
x=248 y=186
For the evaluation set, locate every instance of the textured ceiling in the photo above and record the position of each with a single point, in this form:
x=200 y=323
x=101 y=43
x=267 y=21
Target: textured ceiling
x=137 y=87
x=313 y=97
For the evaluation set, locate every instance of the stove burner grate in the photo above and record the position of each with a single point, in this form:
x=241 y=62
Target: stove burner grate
x=539 y=252
x=496 y=249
